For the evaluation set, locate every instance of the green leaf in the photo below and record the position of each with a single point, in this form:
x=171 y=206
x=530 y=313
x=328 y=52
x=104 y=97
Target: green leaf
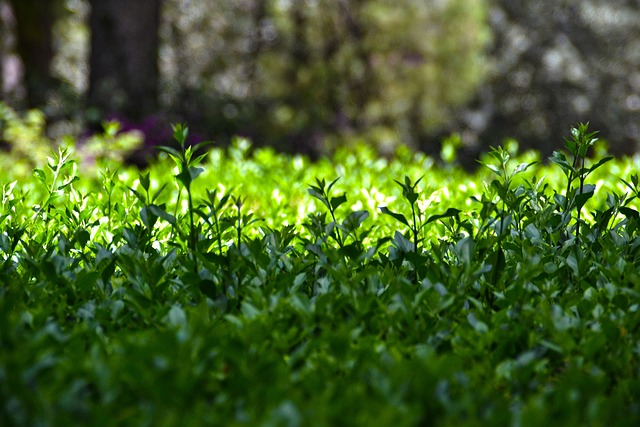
x=560 y=200
x=82 y=236
x=39 y=173
x=180 y=133
x=451 y=212
x=355 y=219
x=208 y=288
x=352 y=250
x=176 y=317
x=412 y=197
x=492 y=168
x=195 y=172
x=630 y=213
x=161 y=213
x=330 y=186
x=184 y=177
x=397 y=216
x=144 y=181
x=476 y=324
x=337 y=201
x=138 y=195
x=158 y=192
x=408 y=189
x=629 y=186
x=171 y=151
x=68 y=182
x=147 y=220
x=315 y=193
x=600 y=163
x=571 y=145
x=523 y=167
x=581 y=197
x=572 y=262
x=402 y=243
x=199 y=159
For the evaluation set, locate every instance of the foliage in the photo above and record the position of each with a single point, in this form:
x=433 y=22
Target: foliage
x=556 y=62
x=27 y=145
x=273 y=296
x=295 y=71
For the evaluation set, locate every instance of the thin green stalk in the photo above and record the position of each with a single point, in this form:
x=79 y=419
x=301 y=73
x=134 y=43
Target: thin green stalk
x=414 y=229
x=217 y=228
x=192 y=233
x=337 y=231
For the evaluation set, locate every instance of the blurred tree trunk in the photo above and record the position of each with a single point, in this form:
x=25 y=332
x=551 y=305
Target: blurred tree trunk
x=34 y=21
x=124 y=76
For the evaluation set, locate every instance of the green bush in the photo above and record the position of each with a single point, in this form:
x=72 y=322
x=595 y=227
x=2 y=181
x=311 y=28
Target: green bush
x=233 y=289
x=28 y=146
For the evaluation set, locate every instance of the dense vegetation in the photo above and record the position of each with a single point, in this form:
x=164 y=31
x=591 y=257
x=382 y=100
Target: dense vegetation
x=244 y=287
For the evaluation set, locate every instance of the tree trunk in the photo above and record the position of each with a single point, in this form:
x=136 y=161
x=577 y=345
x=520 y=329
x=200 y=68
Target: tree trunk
x=124 y=74
x=34 y=21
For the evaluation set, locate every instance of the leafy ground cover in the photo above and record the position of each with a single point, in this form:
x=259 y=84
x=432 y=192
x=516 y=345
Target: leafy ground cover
x=251 y=288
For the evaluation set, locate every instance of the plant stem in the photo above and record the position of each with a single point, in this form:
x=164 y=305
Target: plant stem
x=192 y=232
x=414 y=229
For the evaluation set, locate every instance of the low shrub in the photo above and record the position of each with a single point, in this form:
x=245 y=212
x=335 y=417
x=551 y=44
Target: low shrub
x=238 y=289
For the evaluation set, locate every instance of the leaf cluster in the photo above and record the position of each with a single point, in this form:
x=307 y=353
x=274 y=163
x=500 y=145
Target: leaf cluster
x=163 y=297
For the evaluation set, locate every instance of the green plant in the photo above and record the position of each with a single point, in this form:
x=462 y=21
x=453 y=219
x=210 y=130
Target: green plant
x=411 y=245
x=321 y=192
x=187 y=162
x=472 y=303
x=578 y=146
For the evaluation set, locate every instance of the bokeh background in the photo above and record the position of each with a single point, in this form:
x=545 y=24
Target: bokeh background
x=310 y=75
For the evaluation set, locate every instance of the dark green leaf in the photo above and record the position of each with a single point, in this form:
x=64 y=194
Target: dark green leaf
x=629 y=212
x=337 y=201
x=144 y=180
x=402 y=243
x=397 y=216
x=161 y=213
x=171 y=151
x=195 y=172
x=451 y=212
x=208 y=288
x=600 y=163
x=313 y=191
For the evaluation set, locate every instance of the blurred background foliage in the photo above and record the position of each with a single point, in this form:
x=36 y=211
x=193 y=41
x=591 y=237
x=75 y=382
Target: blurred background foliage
x=311 y=75
x=558 y=62
x=306 y=74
